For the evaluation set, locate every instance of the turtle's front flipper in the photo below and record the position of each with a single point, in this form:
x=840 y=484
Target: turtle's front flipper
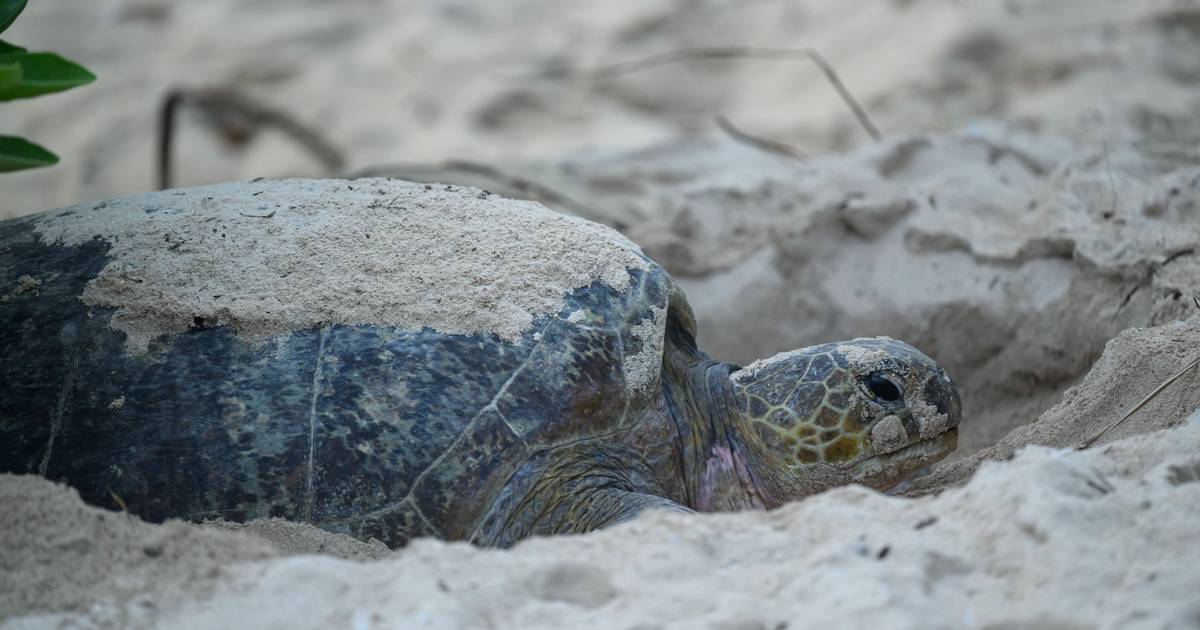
x=558 y=512
x=579 y=489
x=603 y=507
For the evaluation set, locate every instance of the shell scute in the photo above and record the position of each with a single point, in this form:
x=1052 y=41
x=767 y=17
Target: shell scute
x=572 y=386
x=488 y=452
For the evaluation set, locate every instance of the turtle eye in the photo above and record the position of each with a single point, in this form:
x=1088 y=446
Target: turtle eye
x=883 y=388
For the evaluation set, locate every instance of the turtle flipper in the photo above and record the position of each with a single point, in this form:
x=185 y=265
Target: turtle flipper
x=575 y=513
x=579 y=489
x=609 y=506
x=579 y=511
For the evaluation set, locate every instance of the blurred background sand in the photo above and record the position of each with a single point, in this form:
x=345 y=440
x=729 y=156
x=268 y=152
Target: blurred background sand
x=420 y=81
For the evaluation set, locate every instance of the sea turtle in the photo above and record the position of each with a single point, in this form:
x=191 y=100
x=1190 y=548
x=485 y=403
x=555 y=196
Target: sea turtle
x=394 y=360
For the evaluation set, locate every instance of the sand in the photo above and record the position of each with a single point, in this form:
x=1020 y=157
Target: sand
x=428 y=80
x=1017 y=535
x=1030 y=218
x=1132 y=366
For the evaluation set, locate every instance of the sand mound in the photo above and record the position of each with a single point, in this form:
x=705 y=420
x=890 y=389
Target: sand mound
x=1132 y=366
x=59 y=556
x=1053 y=538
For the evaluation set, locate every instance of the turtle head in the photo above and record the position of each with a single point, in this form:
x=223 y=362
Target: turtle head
x=868 y=411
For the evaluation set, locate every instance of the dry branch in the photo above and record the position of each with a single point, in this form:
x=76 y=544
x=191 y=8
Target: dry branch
x=250 y=115
x=729 y=52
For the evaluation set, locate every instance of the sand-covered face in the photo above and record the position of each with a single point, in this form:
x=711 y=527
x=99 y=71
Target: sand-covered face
x=869 y=411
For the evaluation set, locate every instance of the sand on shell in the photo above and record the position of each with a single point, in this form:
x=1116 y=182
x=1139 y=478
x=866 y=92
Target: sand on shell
x=270 y=257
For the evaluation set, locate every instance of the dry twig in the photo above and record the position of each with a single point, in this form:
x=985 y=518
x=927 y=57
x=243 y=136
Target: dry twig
x=118 y=500
x=762 y=144
x=241 y=117
x=1148 y=398
x=727 y=52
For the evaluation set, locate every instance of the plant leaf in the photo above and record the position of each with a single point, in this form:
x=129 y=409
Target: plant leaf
x=10 y=75
x=6 y=48
x=43 y=73
x=9 y=10
x=18 y=153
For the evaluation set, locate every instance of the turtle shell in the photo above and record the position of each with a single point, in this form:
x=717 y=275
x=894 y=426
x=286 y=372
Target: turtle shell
x=390 y=428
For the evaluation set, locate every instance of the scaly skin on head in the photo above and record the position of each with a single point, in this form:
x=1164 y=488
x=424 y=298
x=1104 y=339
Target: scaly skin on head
x=868 y=411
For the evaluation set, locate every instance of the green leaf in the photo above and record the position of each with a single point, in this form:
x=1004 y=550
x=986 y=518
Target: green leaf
x=43 y=73
x=18 y=153
x=6 y=48
x=10 y=75
x=9 y=10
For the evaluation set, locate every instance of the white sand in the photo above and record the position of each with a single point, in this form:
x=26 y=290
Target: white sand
x=413 y=81
x=425 y=80
x=1037 y=193
x=1132 y=366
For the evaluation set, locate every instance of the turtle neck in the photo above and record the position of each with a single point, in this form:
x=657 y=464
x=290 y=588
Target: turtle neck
x=716 y=474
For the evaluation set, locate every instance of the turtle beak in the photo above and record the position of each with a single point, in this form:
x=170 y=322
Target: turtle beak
x=942 y=393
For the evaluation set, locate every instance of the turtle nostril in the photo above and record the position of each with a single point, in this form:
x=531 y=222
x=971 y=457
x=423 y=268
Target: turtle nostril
x=954 y=413
x=943 y=395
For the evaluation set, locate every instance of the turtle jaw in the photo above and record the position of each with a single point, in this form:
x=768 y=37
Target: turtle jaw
x=937 y=447
x=880 y=471
x=885 y=470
